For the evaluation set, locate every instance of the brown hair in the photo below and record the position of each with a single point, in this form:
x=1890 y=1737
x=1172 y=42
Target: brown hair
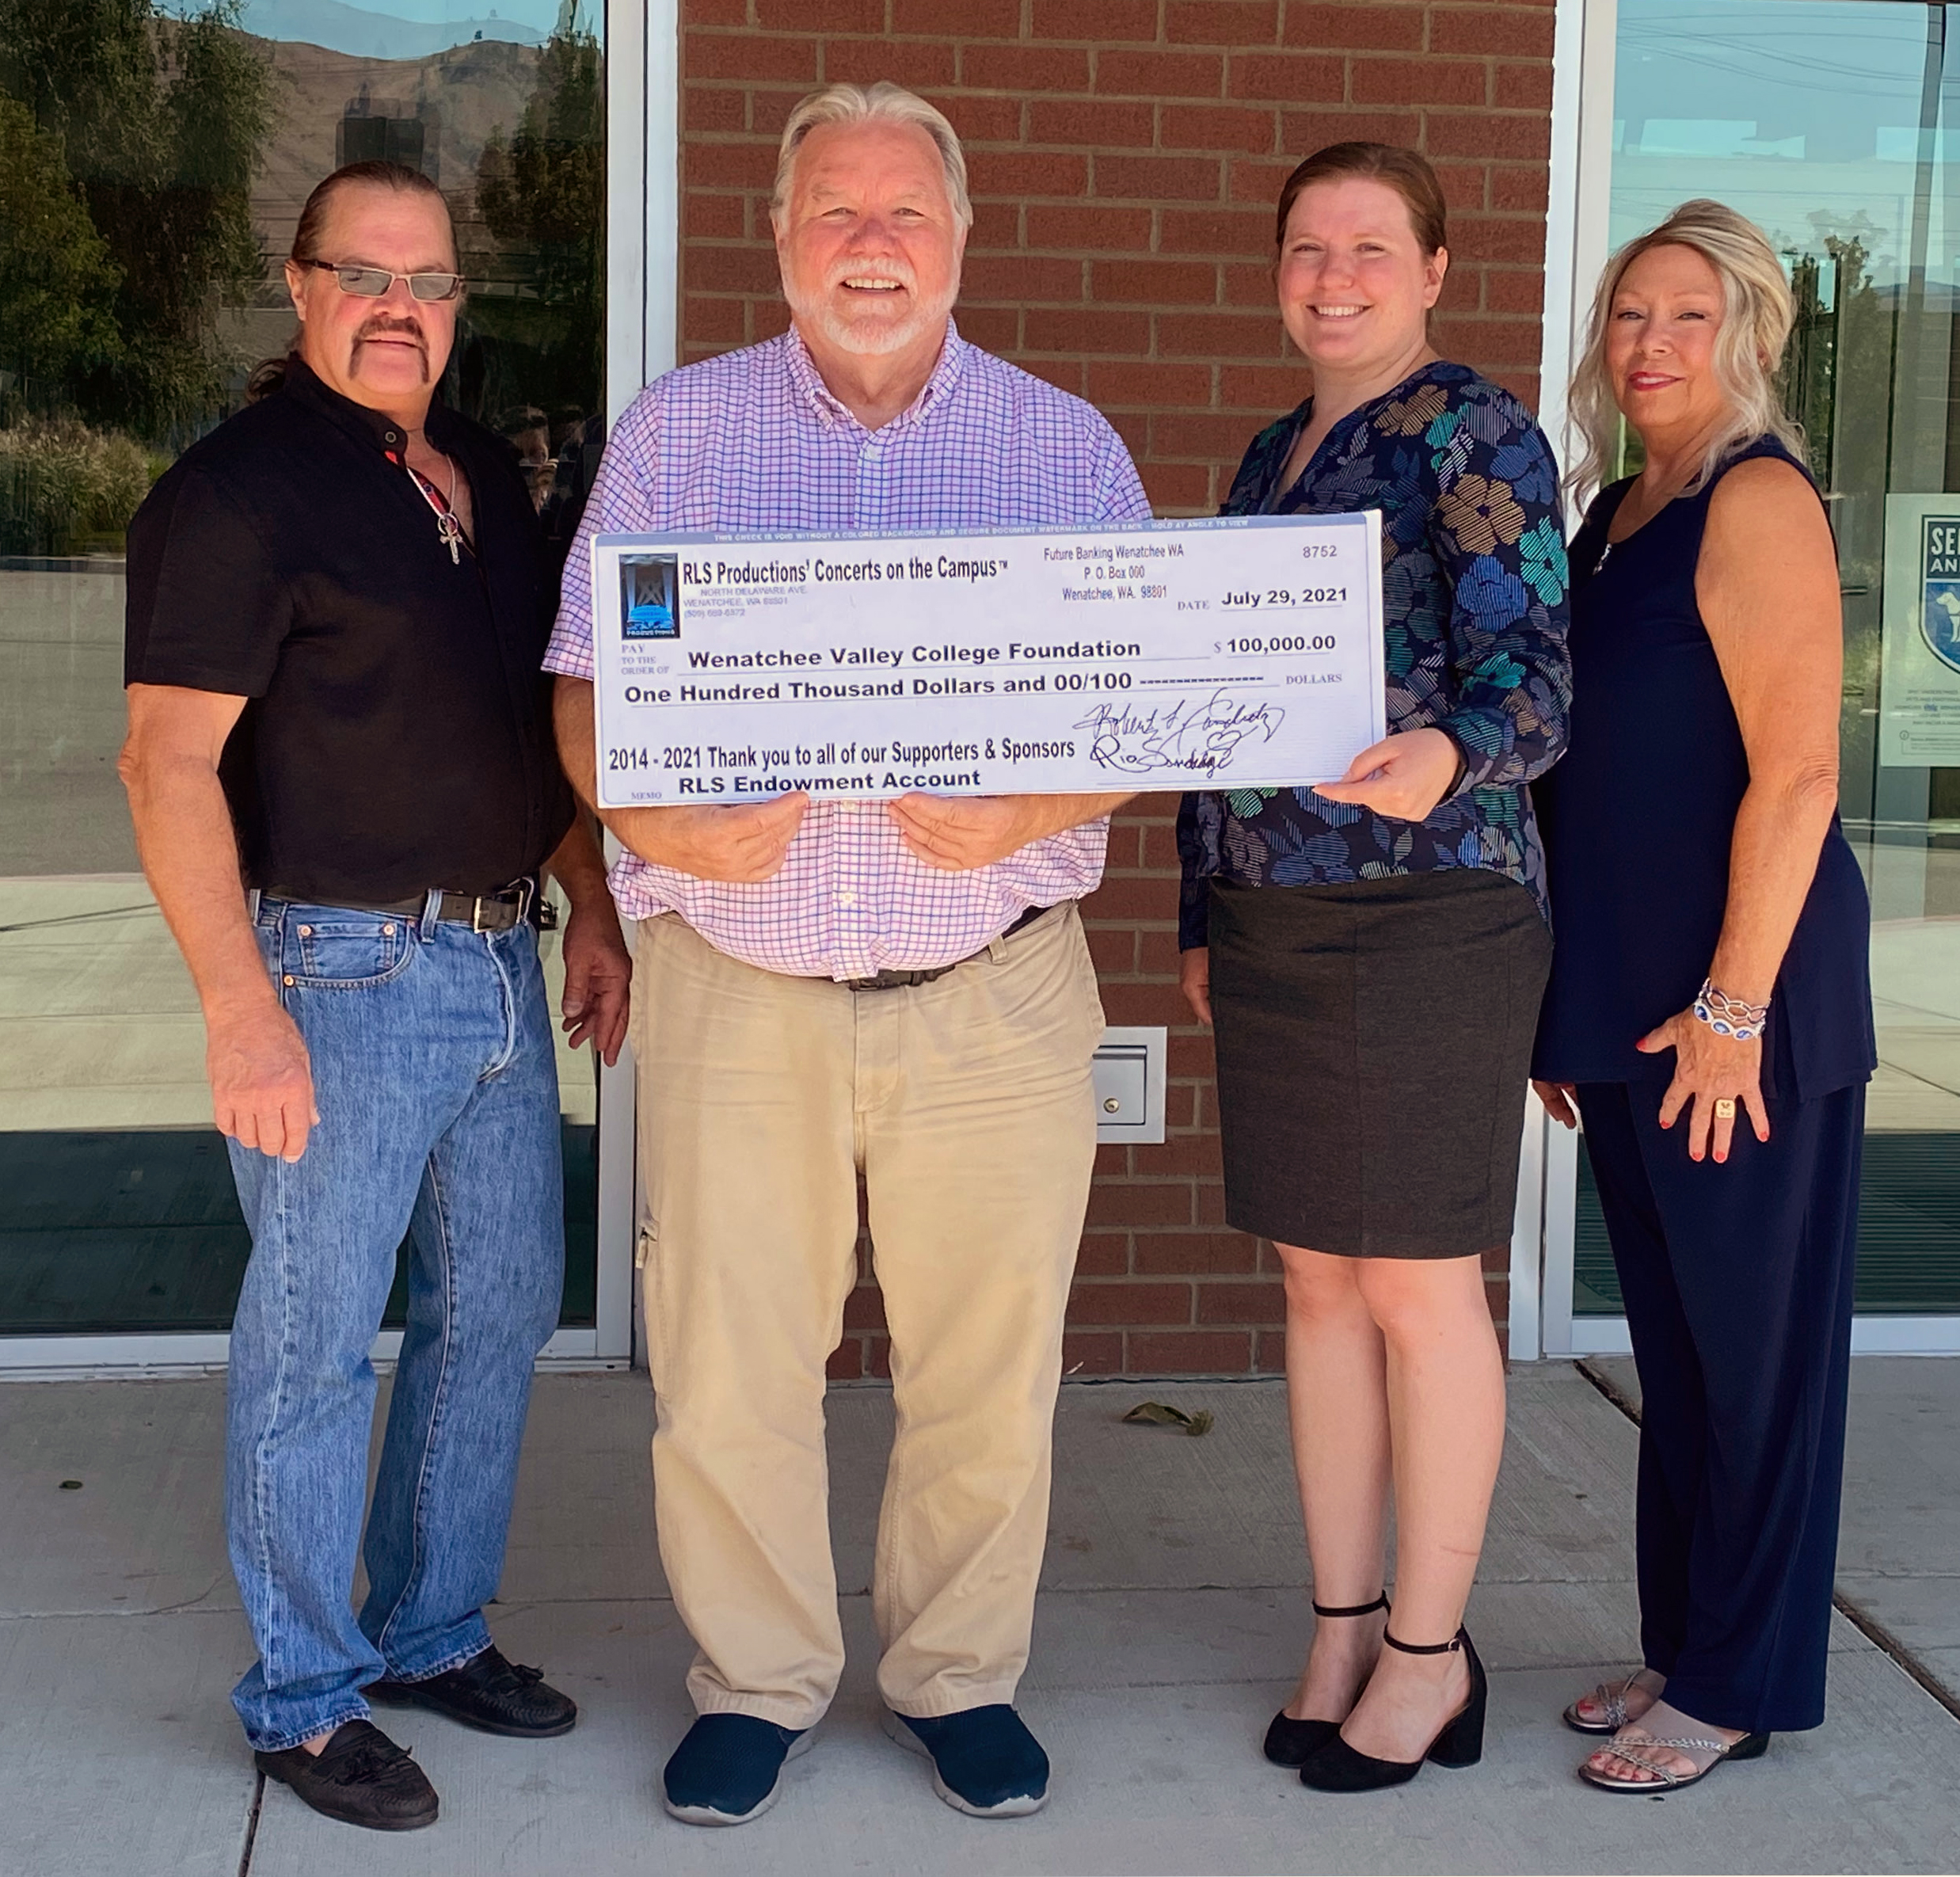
x=1405 y=171
x=268 y=375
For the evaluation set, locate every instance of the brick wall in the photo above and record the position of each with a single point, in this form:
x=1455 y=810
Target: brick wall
x=1125 y=155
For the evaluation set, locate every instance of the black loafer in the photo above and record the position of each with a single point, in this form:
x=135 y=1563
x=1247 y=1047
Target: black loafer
x=488 y=1693
x=360 y=1777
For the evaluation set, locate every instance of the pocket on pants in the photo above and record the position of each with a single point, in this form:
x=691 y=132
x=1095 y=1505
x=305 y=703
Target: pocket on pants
x=327 y=950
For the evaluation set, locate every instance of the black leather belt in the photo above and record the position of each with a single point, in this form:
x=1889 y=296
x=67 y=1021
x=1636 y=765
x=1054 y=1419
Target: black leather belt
x=481 y=912
x=906 y=980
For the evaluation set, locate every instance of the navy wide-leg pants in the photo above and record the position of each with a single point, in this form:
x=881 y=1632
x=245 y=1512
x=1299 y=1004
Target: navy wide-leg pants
x=1737 y=1282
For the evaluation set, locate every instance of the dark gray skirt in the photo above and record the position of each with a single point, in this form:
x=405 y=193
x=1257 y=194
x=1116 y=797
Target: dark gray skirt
x=1374 y=1045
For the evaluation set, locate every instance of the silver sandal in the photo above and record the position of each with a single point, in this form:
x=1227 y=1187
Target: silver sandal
x=1751 y=1746
x=1612 y=1695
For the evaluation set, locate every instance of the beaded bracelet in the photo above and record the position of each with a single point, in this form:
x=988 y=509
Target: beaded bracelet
x=1729 y=1016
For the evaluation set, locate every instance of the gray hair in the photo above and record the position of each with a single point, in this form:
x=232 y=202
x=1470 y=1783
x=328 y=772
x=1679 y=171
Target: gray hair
x=1757 y=313
x=882 y=103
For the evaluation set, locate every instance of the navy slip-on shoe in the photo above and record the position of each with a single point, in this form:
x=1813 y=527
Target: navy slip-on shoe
x=728 y=1769
x=985 y=1762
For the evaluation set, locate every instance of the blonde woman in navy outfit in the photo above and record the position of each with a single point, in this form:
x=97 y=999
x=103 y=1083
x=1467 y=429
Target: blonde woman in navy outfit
x=1709 y=1009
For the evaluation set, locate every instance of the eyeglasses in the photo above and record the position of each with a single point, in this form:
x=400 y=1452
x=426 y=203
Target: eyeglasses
x=371 y=283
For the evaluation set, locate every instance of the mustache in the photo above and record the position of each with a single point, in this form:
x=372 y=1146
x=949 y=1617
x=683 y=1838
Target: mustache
x=385 y=326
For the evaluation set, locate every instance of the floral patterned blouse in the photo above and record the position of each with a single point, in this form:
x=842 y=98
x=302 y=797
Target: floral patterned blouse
x=1474 y=591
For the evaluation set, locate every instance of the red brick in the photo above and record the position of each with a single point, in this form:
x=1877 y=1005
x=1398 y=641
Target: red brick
x=1026 y=279
x=1103 y=1254
x=1020 y=174
x=769 y=110
x=1484 y=238
x=1464 y=186
x=1166 y=1202
x=732 y=270
x=1210 y=436
x=1094 y=19
x=1486 y=133
x=1081 y=329
x=820 y=15
x=982 y=118
x=716 y=12
x=1157 y=179
x=918 y=64
x=1222 y=22
x=1122 y=230
x=1250 y=284
x=1092 y=1352
x=1156 y=283
x=1113 y=1162
x=1523 y=87
x=846 y=1361
x=993 y=328
x=1133 y=427
x=975 y=19
x=1241 y=233
x=1189 y=1352
x=1524 y=189
x=1382 y=28
x=1197 y=1254
x=1269 y=1352
x=1303 y=132
x=1084 y=121
x=1115 y=382
x=719 y=322
x=1196 y=1155
x=1112 y=951
x=1025 y=68
x=748 y=55
x=1130 y=1303
x=1238 y=128
x=1178 y=489
x=1143 y=1004
x=1158 y=953
x=1159 y=74
x=1218 y=335
x=864 y=1309
x=1249 y=181
x=878 y=1356
x=1516 y=31
x=709 y=107
x=730 y=166
x=714 y=218
x=1505 y=292
x=1420 y=81
x=1263 y=1303
x=996 y=228
x=1287 y=77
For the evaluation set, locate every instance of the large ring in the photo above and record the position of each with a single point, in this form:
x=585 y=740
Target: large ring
x=1725 y=1109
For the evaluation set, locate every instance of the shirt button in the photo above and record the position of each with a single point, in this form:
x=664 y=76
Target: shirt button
x=390 y=437
x=847 y=899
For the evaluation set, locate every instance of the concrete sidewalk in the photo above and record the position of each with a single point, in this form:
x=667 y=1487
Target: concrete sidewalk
x=1172 y=1625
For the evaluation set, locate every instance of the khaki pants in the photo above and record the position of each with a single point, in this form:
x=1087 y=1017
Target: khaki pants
x=968 y=1105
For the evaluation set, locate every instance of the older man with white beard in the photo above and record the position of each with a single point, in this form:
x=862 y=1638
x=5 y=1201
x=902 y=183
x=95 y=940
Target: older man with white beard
x=900 y=990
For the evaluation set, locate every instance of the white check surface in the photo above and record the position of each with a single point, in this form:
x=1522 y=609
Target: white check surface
x=1237 y=653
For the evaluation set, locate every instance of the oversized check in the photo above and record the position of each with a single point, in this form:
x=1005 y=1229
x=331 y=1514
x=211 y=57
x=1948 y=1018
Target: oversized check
x=1233 y=653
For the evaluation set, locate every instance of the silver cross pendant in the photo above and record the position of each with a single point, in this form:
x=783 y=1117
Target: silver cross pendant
x=451 y=531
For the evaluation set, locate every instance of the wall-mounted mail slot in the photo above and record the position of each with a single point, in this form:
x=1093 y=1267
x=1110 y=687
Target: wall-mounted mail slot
x=1129 y=1078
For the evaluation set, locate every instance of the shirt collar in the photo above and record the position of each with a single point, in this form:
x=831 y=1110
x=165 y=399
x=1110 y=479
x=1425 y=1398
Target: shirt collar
x=372 y=427
x=831 y=409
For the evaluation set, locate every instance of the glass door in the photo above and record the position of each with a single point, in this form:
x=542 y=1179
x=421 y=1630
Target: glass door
x=153 y=159
x=1832 y=123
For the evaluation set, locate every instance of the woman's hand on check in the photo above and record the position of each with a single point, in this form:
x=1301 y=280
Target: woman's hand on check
x=1403 y=776
x=958 y=833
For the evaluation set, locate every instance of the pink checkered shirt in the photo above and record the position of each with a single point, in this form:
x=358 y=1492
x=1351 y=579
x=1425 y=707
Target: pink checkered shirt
x=753 y=440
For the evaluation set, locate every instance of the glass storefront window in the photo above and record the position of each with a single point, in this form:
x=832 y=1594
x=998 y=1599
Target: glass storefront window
x=1832 y=123
x=153 y=162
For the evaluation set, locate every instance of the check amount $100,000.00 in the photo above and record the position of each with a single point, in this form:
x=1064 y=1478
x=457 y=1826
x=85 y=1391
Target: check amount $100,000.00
x=1163 y=656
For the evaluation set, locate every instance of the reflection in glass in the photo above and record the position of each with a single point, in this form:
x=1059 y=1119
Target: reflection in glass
x=1829 y=123
x=153 y=161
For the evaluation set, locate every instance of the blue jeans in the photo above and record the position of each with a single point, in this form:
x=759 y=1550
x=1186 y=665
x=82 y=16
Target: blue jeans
x=437 y=1088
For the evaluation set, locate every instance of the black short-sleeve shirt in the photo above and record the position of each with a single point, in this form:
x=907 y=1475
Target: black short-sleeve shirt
x=397 y=733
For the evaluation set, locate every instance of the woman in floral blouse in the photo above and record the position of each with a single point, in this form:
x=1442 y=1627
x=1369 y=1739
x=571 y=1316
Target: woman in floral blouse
x=1373 y=952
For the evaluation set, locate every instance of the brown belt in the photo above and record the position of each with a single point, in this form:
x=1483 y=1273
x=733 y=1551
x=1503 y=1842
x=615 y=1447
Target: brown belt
x=481 y=912
x=906 y=980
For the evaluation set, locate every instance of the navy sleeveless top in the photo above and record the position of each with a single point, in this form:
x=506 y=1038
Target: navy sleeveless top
x=1638 y=818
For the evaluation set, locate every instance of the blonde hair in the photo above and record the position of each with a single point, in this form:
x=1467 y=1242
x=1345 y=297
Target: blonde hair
x=883 y=102
x=1757 y=312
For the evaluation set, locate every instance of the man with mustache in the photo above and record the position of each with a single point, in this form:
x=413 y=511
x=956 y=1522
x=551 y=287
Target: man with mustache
x=902 y=991
x=345 y=790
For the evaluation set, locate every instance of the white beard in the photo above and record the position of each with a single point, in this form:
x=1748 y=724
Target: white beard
x=870 y=335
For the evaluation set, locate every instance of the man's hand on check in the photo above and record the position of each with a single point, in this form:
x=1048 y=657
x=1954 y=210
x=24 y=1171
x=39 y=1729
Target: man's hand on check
x=1404 y=776
x=745 y=844
x=957 y=833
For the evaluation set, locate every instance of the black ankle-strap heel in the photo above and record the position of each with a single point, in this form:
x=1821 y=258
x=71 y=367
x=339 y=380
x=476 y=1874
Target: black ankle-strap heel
x=1293 y=1743
x=1338 y=1768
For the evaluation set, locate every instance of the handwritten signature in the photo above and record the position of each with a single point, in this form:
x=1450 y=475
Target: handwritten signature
x=1198 y=736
